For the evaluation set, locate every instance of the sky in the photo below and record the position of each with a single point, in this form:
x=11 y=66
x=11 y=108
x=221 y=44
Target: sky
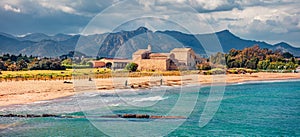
x=272 y=21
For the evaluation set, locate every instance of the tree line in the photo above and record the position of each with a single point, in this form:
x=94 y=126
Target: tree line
x=16 y=63
x=254 y=58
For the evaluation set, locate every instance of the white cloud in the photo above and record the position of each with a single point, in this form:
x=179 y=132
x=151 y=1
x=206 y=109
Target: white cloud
x=58 y=6
x=8 y=7
x=209 y=5
x=254 y=19
x=50 y=7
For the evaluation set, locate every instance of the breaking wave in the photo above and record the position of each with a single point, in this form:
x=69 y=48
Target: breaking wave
x=155 y=98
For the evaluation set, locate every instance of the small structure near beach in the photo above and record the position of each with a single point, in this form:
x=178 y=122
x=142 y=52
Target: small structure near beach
x=113 y=63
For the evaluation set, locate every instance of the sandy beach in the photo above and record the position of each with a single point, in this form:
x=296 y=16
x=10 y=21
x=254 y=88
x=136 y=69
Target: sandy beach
x=22 y=92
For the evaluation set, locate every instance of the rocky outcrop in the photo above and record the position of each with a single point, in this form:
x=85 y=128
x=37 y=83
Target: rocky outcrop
x=138 y=116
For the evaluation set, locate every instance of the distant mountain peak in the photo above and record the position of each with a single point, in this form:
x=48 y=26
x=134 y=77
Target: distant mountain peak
x=282 y=44
x=141 y=29
x=36 y=35
x=225 y=32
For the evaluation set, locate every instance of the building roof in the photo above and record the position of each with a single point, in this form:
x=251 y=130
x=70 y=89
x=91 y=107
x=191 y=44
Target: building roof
x=181 y=49
x=160 y=54
x=98 y=63
x=141 y=51
x=115 y=60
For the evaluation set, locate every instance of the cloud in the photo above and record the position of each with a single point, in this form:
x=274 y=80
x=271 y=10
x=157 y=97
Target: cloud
x=257 y=19
x=50 y=7
x=8 y=7
x=203 y=5
x=58 y=6
x=271 y=20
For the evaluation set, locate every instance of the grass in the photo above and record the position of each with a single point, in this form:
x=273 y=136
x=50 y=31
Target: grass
x=103 y=73
x=35 y=75
x=82 y=74
x=35 y=72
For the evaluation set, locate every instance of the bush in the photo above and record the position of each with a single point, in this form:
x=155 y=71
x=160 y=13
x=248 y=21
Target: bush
x=204 y=66
x=132 y=67
x=232 y=71
x=216 y=71
x=240 y=71
x=24 y=69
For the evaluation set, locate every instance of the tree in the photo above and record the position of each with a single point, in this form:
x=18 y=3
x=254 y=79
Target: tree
x=272 y=65
x=67 y=62
x=291 y=65
x=132 y=67
x=2 y=66
x=21 y=64
x=263 y=64
x=204 y=66
x=287 y=55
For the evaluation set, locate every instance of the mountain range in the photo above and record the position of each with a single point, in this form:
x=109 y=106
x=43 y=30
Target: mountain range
x=122 y=44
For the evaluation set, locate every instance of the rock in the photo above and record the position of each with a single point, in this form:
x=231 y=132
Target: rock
x=32 y=115
x=68 y=82
x=142 y=116
x=128 y=116
x=49 y=115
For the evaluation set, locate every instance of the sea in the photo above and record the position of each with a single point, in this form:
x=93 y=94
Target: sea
x=270 y=108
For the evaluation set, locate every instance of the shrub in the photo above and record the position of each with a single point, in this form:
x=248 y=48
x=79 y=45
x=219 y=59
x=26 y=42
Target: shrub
x=240 y=70
x=132 y=67
x=204 y=66
x=216 y=71
x=232 y=71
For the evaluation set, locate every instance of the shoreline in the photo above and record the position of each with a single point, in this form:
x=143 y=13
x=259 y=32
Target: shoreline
x=27 y=92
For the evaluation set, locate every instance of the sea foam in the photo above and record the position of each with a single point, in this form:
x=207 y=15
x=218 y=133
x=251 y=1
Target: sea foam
x=154 y=98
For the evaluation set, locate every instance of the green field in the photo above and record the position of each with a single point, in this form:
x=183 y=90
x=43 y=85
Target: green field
x=51 y=74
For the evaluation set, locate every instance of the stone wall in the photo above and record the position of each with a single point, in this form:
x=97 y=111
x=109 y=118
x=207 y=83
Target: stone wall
x=153 y=64
x=186 y=59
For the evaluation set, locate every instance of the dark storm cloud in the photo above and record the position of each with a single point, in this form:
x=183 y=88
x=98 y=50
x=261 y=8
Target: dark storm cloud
x=48 y=16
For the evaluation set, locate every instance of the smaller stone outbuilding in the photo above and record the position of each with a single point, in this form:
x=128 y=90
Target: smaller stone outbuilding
x=113 y=63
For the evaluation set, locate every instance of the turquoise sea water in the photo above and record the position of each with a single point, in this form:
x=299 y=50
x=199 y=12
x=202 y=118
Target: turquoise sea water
x=249 y=109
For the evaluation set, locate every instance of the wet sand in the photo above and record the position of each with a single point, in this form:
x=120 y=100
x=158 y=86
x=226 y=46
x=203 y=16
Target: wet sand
x=22 y=92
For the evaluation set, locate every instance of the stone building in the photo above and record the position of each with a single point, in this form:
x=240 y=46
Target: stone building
x=149 y=61
x=178 y=58
x=113 y=63
x=186 y=57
